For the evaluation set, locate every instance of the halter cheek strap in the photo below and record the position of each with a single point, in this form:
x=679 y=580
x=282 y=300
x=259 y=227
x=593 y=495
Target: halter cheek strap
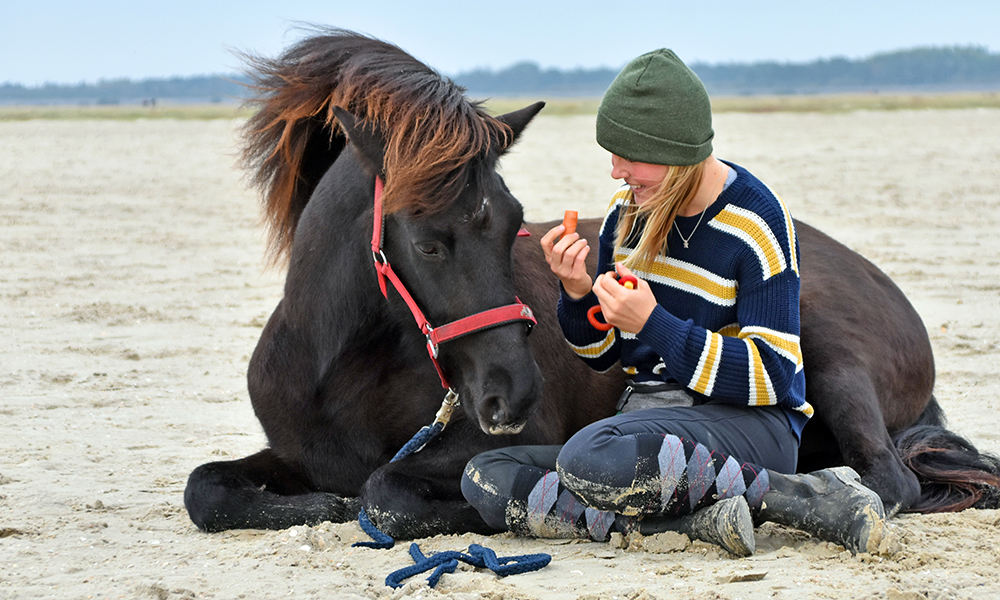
x=493 y=317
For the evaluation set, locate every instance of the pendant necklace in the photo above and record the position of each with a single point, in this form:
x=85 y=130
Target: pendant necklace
x=688 y=238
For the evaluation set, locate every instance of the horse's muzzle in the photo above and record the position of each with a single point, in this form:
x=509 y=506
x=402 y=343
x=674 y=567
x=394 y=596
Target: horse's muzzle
x=495 y=418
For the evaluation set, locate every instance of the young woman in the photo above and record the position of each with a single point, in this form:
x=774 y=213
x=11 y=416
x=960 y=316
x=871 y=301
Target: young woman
x=709 y=426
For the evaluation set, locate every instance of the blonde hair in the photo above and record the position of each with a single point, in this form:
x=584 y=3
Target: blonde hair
x=678 y=188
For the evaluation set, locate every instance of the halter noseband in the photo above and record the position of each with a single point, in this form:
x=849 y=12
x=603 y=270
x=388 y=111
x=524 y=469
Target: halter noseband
x=437 y=335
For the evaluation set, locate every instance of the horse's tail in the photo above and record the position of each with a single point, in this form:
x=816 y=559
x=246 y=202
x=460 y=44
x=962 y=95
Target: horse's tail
x=953 y=474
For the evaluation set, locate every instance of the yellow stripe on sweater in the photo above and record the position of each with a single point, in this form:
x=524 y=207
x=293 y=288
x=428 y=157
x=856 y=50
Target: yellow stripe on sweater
x=731 y=330
x=685 y=276
x=785 y=344
x=622 y=197
x=703 y=379
x=596 y=349
x=753 y=230
x=793 y=258
x=761 y=389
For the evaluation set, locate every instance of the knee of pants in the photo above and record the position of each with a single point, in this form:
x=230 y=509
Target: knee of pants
x=598 y=454
x=481 y=491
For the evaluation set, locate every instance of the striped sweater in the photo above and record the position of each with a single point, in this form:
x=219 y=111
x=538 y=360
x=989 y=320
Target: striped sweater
x=727 y=323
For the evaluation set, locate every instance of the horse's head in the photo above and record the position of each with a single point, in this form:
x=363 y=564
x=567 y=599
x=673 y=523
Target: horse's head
x=451 y=245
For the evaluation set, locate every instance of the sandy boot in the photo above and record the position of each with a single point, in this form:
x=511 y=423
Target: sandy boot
x=830 y=504
x=726 y=523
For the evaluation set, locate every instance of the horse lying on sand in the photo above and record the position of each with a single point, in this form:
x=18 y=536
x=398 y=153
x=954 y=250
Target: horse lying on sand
x=341 y=377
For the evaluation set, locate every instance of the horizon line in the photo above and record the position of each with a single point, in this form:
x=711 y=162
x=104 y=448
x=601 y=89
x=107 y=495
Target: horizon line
x=100 y=80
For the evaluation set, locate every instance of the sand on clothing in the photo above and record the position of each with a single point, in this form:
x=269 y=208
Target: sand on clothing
x=133 y=293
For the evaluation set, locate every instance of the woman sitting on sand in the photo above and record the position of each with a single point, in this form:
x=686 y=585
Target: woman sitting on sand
x=709 y=427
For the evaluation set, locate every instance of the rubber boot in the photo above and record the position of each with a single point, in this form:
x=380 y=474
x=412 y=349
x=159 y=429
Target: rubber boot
x=726 y=523
x=831 y=505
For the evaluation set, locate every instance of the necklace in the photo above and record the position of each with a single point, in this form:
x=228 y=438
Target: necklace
x=688 y=238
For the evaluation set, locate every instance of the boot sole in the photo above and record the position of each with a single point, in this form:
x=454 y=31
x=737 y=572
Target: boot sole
x=727 y=523
x=870 y=536
x=736 y=528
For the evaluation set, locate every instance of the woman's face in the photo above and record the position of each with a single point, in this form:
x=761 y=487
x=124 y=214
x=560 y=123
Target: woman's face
x=644 y=178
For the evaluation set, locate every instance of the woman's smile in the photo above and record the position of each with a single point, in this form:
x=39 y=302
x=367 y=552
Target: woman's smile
x=643 y=178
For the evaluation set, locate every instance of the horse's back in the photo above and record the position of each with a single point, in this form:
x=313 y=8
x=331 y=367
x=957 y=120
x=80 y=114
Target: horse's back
x=868 y=363
x=855 y=319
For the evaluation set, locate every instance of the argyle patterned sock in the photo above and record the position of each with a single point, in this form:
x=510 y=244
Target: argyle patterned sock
x=688 y=477
x=549 y=510
x=672 y=476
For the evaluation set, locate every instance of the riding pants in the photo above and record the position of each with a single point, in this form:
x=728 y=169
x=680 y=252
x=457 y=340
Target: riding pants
x=659 y=461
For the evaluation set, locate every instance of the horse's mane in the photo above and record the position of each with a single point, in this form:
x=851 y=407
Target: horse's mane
x=431 y=130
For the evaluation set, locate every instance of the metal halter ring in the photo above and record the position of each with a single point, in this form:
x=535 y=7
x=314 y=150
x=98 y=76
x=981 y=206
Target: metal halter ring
x=432 y=348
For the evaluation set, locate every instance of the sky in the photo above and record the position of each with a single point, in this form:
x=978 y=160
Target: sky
x=69 y=42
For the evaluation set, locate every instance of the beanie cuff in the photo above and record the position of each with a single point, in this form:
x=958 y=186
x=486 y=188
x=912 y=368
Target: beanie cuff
x=621 y=140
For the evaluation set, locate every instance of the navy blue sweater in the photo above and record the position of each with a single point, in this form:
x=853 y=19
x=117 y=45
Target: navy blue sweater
x=727 y=321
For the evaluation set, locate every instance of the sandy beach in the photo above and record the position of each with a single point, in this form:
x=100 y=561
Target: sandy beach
x=134 y=289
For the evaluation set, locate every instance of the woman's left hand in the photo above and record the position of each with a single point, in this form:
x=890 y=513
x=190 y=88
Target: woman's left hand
x=626 y=309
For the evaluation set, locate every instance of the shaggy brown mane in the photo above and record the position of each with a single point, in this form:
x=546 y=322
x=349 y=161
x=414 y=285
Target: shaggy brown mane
x=432 y=131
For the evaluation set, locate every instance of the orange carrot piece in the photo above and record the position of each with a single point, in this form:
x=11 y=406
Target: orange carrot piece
x=569 y=221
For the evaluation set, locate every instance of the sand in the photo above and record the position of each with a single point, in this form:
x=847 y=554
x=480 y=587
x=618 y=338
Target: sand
x=133 y=292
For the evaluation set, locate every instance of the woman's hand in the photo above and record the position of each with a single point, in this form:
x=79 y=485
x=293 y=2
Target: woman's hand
x=626 y=309
x=566 y=259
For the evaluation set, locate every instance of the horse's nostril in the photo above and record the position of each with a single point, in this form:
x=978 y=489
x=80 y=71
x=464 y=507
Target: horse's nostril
x=496 y=418
x=495 y=408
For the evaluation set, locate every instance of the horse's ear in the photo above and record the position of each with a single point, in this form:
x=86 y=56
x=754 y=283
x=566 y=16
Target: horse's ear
x=366 y=138
x=519 y=119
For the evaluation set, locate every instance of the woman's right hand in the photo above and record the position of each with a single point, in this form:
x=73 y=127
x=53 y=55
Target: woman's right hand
x=566 y=256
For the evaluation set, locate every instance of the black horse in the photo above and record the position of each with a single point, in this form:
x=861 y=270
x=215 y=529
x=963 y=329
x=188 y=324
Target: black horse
x=341 y=377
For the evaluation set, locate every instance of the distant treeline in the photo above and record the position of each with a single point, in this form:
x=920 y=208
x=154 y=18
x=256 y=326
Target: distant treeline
x=964 y=68
x=960 y=68
x=207 y=88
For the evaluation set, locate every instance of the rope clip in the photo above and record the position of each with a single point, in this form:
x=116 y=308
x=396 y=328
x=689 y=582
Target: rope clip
x=448 y=406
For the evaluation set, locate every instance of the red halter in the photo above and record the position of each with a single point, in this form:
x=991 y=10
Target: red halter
x=437 y=335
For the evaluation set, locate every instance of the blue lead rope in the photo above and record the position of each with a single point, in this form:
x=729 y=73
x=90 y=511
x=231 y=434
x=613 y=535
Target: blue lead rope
x=443 y=562
x=382 y=540
x=478 y=556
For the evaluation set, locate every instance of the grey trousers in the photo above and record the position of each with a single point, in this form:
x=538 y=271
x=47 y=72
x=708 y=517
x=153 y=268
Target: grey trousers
x=662 y=461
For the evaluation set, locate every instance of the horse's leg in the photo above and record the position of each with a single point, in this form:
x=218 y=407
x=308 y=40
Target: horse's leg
x=263 y=491
x=847 y=402
x=258 y=492
x=421 y=495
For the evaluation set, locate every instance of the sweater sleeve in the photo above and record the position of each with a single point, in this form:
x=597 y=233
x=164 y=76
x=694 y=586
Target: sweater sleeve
x=601 y=350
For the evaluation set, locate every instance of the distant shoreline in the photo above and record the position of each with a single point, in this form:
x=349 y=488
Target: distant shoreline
x=819 y=103
x=916 y=71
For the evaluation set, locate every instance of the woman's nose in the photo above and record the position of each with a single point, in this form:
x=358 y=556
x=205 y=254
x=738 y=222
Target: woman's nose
x=619 y=167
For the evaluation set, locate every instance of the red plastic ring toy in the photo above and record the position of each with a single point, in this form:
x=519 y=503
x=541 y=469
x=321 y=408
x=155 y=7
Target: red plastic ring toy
x=592 y=317
x=628 y=281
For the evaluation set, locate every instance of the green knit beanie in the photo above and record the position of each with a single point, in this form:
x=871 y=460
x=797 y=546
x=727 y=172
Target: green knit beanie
x=656 y=111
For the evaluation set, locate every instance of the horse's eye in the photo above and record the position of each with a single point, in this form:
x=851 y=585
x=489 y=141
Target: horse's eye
x=431 y=250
